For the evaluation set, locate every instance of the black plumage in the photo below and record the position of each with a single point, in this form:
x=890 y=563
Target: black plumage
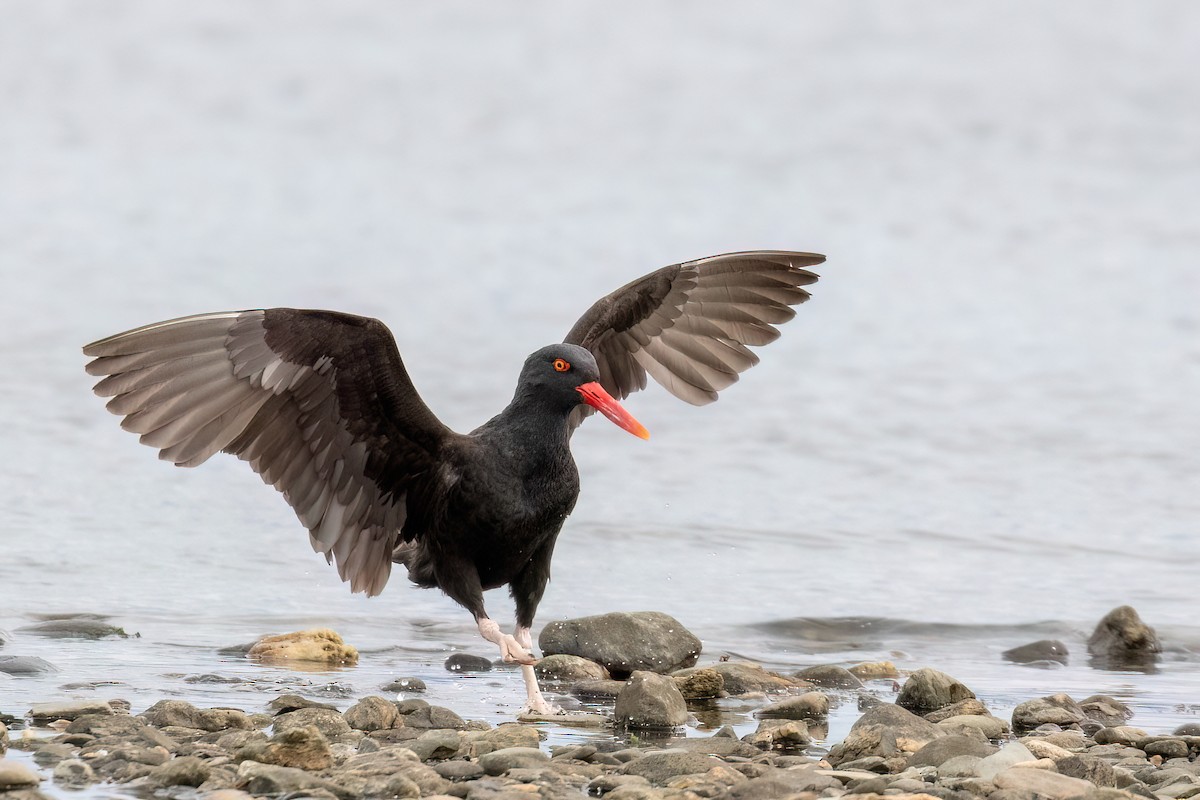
x=321 y=406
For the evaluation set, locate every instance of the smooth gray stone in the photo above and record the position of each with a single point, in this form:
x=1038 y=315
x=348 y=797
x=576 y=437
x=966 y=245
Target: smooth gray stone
x=26 y=665
x=624 y=642
x=649 y=700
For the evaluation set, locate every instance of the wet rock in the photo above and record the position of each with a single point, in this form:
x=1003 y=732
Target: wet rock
x=466 y=662
x=1119 y=734
x=178 y=713
x=568 y=668
x=598 y=690
x=659 y=768
x=429 y=716
x=1122 y=640
x=1166 y=747
x=783 y=783
x=1042 y=749
x=650 y=700
x=700 y=684
x=404 y=685
x=1041 y=783
x=435 y=744
x=1088 y=768
x=718 y=745
x=1007 y=756
x=25 y=665
x=886 y=731
x=624 y=642
x=372 y=714
x=84 y=627
x=1041 y=651
x=319 y=645
x=985 y=724
x=105 y=725
x=945 y=748
x=792 y=734
x=14 y=775
x=268 y=779
x=1057 y=709
x=303 y=747
x=507 y=735
x=498 y=762
x=1187 y=729
x=328 y=721
x=1108 y=711
x=72 y=773
x=928 y=690
x=810 y=705
x=70 y=710
x=459 y=770
x=967 y=706
x=181 y=771
x=743 y=677
x=830 y=676
x=370 y=774
x=874 y=670
x=294 y=702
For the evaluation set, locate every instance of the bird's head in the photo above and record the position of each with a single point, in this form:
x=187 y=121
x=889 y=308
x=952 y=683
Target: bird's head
x=567 y=375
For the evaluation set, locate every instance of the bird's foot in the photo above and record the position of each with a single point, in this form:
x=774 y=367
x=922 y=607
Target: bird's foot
x=541 y=707
x=513 y=653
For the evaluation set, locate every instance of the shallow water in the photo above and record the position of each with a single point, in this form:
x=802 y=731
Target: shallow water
x=980 y=432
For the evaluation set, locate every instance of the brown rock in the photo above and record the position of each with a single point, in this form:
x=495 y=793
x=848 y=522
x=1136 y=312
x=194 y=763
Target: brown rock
x=372 y=713
x=319 y=645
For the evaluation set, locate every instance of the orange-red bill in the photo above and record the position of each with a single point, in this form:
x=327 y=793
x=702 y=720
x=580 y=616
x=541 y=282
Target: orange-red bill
x=595 y=396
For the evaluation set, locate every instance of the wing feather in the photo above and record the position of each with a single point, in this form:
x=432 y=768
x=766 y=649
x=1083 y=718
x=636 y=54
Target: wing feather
x=690 y=326
x=303 y=397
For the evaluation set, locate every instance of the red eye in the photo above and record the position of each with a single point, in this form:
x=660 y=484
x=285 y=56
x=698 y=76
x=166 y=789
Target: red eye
x=561 y=365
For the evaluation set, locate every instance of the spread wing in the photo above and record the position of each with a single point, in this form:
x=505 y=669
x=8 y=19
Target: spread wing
x=690 y=326
x=319 y=403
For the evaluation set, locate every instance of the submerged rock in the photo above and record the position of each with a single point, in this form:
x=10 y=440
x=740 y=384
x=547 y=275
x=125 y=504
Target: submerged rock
x=81 y=627
x=319 y=645
x=810 y=705
x=649 y=700
x=69 y=710
x=467 y=662
x=1043 y=650
x=1122 y=640
x=624 y=641
x=743 y=677
x=404 y=685
x=25 y=665
x=874 y=670
x=829 y=676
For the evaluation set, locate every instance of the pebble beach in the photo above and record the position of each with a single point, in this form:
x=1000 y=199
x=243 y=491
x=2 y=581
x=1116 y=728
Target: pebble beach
x=648 y=719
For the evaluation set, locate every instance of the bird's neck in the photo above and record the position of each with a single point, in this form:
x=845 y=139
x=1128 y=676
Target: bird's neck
x=537 y=421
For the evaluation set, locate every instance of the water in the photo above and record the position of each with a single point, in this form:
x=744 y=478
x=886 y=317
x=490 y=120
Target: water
x=981 y=431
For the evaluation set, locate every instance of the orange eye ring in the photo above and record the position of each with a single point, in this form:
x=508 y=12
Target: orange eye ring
x=561 y=365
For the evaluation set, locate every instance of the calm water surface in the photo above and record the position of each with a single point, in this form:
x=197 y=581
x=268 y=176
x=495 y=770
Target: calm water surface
x=981 y=431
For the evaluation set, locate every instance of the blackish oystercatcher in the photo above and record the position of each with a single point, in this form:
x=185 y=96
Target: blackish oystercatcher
x=321 y=406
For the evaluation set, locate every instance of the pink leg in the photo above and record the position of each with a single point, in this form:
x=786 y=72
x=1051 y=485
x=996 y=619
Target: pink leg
x=510 y=649
x=535 y=704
